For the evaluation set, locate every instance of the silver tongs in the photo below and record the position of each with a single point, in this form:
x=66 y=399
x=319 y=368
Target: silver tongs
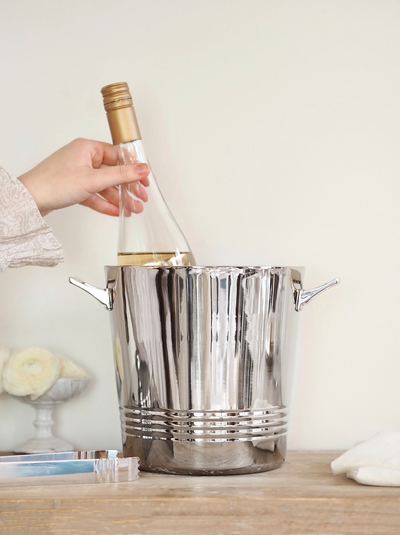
x=106 y=465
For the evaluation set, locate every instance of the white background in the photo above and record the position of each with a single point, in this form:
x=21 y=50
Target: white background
x=273 y=128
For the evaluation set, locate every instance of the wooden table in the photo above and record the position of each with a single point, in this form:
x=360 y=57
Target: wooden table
x=301 y=497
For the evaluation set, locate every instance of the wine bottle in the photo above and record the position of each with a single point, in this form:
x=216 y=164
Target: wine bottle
x=148 y=232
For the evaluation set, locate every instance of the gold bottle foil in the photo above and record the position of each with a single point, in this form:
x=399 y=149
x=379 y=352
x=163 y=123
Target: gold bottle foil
x=120 y=113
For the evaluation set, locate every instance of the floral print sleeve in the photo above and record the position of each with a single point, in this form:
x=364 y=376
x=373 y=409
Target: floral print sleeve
x=25 y=238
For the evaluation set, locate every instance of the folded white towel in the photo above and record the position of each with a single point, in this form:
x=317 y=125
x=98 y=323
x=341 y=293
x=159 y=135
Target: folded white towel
x=373 y=462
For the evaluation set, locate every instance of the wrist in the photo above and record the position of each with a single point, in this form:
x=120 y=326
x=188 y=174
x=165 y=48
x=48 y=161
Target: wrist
x=31 y=190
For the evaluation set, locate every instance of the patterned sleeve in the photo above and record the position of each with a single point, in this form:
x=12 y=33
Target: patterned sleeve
x=25 y=238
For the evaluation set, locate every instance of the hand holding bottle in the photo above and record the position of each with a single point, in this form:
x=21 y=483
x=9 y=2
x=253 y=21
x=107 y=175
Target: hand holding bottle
x=84 y=172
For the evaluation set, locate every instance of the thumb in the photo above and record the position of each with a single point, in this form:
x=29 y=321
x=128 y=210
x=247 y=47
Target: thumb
x=107 y=177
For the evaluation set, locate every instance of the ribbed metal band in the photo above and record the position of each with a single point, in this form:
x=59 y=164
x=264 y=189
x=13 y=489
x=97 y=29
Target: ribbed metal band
x=211 y=426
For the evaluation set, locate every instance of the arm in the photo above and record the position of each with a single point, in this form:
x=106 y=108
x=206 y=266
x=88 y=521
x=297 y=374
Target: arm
x=25 y=238
x=83 y=172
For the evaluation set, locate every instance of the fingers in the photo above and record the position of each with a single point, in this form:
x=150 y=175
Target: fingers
x=134 y=173
x=106 y=154
x=130 y=199
x=111 y=195
x=101 y=205
x=107 y=177
x=132 y=207
x=111 y=155
x=90 y=152
x=108 y=202
x=138 y=191
x=135 y=189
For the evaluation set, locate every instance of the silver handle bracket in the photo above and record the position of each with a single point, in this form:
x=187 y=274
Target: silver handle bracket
x=104 y=296
x=302 y=297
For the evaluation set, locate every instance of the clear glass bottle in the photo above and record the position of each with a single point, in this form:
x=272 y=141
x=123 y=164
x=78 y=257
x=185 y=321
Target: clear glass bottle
x=148 y=232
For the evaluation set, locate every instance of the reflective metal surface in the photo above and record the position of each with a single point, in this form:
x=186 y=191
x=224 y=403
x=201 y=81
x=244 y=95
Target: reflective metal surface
x=204 y=364
x=104 y=296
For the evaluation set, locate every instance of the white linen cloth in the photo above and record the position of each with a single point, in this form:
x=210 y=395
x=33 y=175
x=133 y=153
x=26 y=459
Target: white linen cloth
x=373 y=462
x=25 y=238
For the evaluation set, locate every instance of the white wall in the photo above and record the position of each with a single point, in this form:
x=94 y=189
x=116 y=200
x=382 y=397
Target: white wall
x=273 y=129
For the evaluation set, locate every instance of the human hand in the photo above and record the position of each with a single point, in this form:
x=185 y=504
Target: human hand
x=84 y=172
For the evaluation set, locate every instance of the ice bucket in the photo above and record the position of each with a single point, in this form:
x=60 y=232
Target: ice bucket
x=204 y=363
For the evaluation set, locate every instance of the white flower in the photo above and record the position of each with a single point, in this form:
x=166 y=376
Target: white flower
x=4 y=354
x=70 y=369
x=31 y=371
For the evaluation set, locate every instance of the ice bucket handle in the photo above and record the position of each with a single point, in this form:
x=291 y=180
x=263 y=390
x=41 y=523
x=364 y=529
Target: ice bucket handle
x=104 y=296
x=302 y=297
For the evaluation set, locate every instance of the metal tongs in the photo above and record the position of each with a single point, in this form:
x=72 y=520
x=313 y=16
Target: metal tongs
x=106 y=465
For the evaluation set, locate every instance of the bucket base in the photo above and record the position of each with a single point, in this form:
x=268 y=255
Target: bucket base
x=199 y=458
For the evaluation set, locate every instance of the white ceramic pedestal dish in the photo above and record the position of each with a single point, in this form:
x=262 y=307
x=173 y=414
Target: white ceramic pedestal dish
x=63 y=390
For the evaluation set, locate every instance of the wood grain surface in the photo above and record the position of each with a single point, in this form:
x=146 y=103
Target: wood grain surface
x=301 y=497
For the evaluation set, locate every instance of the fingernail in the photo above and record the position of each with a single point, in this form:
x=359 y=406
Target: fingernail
x=142 y=169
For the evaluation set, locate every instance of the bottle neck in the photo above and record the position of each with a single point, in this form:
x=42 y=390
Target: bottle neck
x=123 y=125
x=132 y=152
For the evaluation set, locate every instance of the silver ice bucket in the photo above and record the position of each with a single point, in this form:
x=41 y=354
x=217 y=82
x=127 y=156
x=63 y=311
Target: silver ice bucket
x=204 y=363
